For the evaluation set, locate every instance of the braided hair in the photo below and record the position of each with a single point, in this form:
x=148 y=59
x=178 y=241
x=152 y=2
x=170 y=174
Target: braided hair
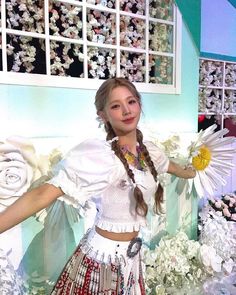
x=101 y=98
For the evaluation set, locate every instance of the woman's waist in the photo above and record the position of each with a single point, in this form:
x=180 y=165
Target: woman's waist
x=116 y=236
x=106 y=250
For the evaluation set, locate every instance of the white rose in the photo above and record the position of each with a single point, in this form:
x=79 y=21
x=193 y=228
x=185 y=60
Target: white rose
x=18 y=169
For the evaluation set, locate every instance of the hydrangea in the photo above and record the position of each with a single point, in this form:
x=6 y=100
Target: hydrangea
x=175 y=262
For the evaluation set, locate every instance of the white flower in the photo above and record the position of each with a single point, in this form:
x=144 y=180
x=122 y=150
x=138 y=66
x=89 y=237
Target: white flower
x=210 y=259
x=212 y=163
x=19 y=167
x=11 y=283
x=174 y=262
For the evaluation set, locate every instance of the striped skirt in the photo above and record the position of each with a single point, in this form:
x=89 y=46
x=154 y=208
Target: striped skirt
x=101 y=266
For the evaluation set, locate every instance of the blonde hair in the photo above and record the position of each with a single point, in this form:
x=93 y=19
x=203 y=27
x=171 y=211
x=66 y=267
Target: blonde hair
x=101 y=99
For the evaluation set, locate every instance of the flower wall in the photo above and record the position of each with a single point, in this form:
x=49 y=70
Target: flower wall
x=92 y=39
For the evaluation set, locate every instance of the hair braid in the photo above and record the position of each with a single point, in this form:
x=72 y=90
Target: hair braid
x=141 y=207
x=149 y=162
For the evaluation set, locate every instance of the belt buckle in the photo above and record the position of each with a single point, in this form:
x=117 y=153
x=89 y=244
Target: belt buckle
x=134 y=247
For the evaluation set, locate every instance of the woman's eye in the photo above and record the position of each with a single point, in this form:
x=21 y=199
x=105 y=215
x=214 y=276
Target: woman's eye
x=132 y=101
x=115 y=106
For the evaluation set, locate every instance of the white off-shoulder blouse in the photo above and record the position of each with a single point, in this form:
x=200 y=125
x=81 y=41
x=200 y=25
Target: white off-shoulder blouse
x=92 y=172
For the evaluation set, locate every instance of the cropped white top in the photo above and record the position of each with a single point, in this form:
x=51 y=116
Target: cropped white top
x=92 y=171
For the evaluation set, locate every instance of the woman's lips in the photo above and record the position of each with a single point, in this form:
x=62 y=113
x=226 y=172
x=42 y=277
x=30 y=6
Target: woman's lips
x=128 y=121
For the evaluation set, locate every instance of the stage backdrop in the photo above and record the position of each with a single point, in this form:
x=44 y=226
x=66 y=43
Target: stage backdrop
x=50 y=117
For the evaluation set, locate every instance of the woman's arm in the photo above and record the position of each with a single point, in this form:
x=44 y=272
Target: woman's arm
x=181 y=172
x=27 y=205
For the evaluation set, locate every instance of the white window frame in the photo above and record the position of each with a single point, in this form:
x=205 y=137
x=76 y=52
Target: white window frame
x=47 y=79
x=222 y=113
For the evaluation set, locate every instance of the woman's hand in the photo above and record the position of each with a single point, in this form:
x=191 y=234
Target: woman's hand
x=190 y=171
x=182 y=172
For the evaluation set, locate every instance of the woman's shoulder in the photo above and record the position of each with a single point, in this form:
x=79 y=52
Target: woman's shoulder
x=151 y=146
x=158 y=156
x=90 y=146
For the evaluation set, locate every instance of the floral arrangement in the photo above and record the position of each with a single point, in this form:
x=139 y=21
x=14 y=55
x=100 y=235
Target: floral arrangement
x=26 y=54
x=162 y=9
x=10 y=282
x=160 y=69
x=211 y=73
x=210 y=100
x=67 y=59
x=133 y=6
x=101 y=63
x=65 y=20
x=218 y=236
x=101 y=27
x=226 y=206
x=178 y=265
x=160 y=37
x=174 y=263
x=132 y=31
x=230 y=75
x=25 y=15
x=230 y=103
x=132 y=66
x=105 y=3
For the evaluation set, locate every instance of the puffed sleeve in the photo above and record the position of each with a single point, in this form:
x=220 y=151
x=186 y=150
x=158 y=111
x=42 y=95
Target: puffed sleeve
x=86 y=171
x=159 y=158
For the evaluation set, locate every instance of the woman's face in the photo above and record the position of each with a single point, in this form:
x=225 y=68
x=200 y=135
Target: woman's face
x=122 y=110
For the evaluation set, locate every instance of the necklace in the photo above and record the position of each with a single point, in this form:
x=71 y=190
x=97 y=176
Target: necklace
x=137 y=161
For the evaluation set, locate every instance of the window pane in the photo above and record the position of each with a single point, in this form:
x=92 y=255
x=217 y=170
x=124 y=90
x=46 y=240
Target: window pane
x=211 y=73
x=105 y=3
x=160 y=69
x=160 y=37
x=26 y=54
x=162 y=9
x=132 y=66
x=101 y=26
x=101 y=63
x=66 y=59
x=132 y=32
x=230 y=75
x=65 y=20
x=26 y=16
x=135 y=6
x=210 y=100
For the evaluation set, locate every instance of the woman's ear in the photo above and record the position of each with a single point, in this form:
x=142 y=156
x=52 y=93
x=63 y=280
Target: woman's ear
x=103 y=116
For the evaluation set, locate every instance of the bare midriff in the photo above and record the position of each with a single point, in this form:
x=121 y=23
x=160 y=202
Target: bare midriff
x=124 y=237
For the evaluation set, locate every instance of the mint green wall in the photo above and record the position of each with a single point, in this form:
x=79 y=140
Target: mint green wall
x=42 y=111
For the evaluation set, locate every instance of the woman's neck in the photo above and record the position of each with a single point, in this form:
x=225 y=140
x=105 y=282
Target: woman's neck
x=130 y=141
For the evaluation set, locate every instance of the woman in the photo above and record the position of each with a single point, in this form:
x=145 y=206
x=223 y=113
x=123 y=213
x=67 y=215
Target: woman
x=120 y=176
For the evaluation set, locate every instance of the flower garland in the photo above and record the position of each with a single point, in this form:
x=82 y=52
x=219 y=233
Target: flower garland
x=136 y=161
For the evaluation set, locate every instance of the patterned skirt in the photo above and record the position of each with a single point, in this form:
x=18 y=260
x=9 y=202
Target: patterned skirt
x=101 y=266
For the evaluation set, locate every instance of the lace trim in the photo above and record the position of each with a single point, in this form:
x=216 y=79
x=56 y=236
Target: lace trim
x=120 y=227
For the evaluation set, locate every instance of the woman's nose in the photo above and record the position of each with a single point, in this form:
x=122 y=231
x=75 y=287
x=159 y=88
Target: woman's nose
x=126 y=110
